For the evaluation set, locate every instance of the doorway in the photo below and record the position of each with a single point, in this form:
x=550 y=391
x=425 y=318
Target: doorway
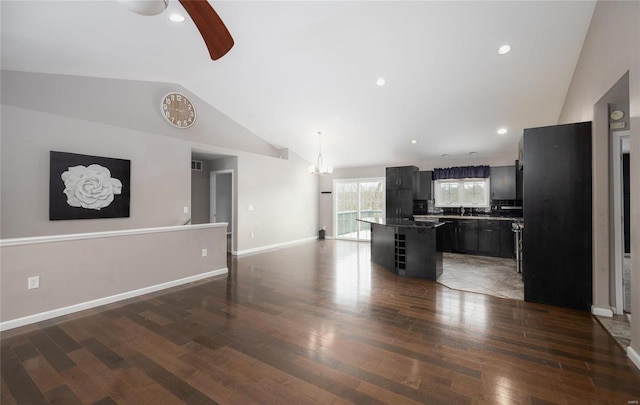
x=221 y=201
x=621 y=206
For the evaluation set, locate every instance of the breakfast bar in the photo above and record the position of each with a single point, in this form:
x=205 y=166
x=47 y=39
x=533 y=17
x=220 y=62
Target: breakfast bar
x=406 y=248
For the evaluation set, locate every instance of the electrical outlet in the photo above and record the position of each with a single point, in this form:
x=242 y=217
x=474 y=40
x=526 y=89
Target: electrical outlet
x=204 y=252
x=185 y=210
x=253 y=235
x=33 y=282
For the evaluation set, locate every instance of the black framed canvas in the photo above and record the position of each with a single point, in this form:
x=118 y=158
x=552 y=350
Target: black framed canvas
x=87 y=187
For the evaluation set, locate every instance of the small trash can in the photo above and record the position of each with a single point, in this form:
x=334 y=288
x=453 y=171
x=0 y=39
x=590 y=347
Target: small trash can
x=321 y=234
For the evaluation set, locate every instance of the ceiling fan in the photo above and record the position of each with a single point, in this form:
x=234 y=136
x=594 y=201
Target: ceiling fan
x=213 y=31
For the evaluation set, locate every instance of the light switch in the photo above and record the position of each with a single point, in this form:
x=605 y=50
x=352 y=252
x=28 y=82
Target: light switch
x=185 y=210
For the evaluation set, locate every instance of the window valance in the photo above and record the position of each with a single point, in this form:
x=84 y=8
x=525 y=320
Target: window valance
x=462 y=172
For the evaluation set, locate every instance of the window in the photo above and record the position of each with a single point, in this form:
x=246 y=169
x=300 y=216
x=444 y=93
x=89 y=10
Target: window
x=462 y=193
x=357 y=199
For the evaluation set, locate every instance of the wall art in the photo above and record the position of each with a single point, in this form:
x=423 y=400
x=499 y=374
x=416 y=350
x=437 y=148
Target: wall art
x=86 y=187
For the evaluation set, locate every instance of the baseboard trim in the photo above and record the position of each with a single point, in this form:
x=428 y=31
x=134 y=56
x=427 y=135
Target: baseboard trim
x=43 y=316
x=274 y=246
x=633 y=355
x=602 y=311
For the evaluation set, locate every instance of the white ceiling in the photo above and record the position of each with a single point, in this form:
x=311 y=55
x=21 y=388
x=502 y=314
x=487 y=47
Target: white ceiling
x=299 y=67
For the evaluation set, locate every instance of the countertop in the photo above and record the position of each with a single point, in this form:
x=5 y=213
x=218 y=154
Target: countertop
x=432 y=217
x=405 y=223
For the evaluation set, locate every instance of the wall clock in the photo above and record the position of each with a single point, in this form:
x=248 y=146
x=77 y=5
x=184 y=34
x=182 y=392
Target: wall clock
x=178 y=110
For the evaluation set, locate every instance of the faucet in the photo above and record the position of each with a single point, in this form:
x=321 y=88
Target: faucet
x=462 y=211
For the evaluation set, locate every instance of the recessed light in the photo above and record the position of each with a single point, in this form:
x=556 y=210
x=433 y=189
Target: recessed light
x=445 y=155
x=176 y=18
x=380 y=81
x=502 y=131
x=473 y=153
x=504 y=49
x=414 y=141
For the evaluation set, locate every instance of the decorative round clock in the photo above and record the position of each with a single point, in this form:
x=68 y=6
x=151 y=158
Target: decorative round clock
x=178 y=110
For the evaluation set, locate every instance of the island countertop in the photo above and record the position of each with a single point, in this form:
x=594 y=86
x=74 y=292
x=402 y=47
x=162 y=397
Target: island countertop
x=404 y=223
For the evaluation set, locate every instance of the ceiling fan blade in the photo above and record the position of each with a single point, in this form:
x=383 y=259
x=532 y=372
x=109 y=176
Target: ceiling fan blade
x=213 y=31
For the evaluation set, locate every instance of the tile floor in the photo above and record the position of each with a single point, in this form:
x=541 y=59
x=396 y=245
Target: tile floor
x=487 y=275
x=618 y=327
x=626 y=282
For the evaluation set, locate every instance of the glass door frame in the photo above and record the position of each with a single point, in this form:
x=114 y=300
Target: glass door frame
x=358 y=181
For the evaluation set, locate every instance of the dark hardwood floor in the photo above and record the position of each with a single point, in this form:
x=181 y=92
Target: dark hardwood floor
x=317 y=323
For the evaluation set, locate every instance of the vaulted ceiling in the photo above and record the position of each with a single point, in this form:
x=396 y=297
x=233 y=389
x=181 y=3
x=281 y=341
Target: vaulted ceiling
x=299 y=67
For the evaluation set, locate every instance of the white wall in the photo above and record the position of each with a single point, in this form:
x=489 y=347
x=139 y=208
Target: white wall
x=611 y=48
x=128 y=104
x=283 y=193
x=284 y=197
x=78 y=273
x=160 y=175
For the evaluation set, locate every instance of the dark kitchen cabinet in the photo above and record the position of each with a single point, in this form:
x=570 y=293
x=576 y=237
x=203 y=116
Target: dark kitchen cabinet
x=507 y=240
x=484 y=237
x=399 y=204
x=489 y=237
x=422 y=259
x=383 y=238
x=447 y=234
x=467 y=236
x=401 y=185
x=424 y=185
x=557 y=246
x=503 y=183
x=402 y=178
x=519 y=180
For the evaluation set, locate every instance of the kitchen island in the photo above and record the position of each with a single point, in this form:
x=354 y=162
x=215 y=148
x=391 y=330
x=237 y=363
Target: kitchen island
x=407 y=248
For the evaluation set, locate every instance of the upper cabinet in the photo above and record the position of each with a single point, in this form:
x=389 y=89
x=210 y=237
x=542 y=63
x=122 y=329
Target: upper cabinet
x=424 y=185
x=503 y=183
x=519 y=176
x=402 y=178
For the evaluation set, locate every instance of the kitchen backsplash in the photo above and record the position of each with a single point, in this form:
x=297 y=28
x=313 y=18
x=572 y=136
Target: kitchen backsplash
x=511 y=208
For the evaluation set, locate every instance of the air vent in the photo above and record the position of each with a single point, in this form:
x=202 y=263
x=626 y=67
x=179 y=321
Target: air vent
x=196 y=165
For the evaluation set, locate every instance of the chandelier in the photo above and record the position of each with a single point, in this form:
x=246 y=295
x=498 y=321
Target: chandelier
x=319 y=167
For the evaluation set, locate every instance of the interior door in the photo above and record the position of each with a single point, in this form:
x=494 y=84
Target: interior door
x=620 y=149
x=221 y=198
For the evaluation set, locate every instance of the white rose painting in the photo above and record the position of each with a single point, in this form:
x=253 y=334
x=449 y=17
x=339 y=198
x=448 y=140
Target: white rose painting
x=86 y=187
x=90 y=187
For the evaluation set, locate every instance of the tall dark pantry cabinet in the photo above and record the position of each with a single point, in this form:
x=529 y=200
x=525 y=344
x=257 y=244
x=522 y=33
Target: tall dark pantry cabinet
x=557 y=245
x=402 y=186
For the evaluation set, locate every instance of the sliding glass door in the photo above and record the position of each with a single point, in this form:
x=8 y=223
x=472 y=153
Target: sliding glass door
x=357 y=199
